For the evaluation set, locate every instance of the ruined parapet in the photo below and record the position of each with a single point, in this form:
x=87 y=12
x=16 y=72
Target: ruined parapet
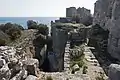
x=76 y=52
x=64 y=20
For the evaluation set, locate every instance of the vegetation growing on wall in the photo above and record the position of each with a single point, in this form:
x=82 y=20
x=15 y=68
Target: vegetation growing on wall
x=78 y=59
x=42 y=28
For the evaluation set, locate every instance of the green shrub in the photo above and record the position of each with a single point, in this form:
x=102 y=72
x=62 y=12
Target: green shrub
x=5 y=27
x=32 y=24
x=14 y=33
x=2 y=42
x=49 y=78
x=12 y=30
x=77 y=53
x=43 y=29
x=80 y=63
x=77 y=58
x=18 y=26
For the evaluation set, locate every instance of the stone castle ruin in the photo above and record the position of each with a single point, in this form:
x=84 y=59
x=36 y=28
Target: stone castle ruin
x=96 y=38
x=61 y=33
x=80 y=15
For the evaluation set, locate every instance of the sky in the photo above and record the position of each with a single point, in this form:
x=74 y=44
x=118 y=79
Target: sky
x=41 y=8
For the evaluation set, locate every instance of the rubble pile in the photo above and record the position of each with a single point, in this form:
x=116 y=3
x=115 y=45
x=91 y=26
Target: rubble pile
x=14 y=65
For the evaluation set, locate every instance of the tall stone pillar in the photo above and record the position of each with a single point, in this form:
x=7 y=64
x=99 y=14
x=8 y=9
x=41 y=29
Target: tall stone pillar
x=59 y=37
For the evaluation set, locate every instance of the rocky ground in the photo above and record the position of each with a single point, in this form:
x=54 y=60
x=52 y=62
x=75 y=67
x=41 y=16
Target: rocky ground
x=14 y=65
x=16 y=59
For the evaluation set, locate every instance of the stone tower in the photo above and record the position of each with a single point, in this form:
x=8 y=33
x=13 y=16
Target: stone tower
x=70 y=12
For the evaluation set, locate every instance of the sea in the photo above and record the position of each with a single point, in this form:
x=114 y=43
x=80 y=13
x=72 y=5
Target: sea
x=23 y=20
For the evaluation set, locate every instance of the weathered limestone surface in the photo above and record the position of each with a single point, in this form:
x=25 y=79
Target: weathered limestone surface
x=106 y=15
x=114 y=72
x=14 y=65
x=31 y=77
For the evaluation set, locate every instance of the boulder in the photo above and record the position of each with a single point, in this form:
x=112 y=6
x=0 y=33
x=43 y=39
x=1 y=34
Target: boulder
x=5 y=73
x=21 y=75
x=114 y=72
x=76 y=67
x=15 y=68
x=31 y=77
x=2 y=62
x=31 y=66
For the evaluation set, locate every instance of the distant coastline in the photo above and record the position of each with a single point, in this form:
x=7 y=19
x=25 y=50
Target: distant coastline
x=23 y=20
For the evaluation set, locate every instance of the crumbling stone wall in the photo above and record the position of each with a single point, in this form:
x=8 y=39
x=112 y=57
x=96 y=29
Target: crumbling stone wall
x=15 y=65
x=106 y=15
x=99 y=38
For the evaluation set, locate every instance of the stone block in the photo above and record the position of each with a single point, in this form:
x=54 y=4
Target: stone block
x=114 y=72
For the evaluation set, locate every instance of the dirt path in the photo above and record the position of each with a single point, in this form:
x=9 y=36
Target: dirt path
x=94 y=69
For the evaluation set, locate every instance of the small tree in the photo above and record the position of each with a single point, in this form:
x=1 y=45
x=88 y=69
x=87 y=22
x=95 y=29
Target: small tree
x=14 y=33
x=32 y=24
x=2 y=42
x=43 y=29
x=18 y=26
